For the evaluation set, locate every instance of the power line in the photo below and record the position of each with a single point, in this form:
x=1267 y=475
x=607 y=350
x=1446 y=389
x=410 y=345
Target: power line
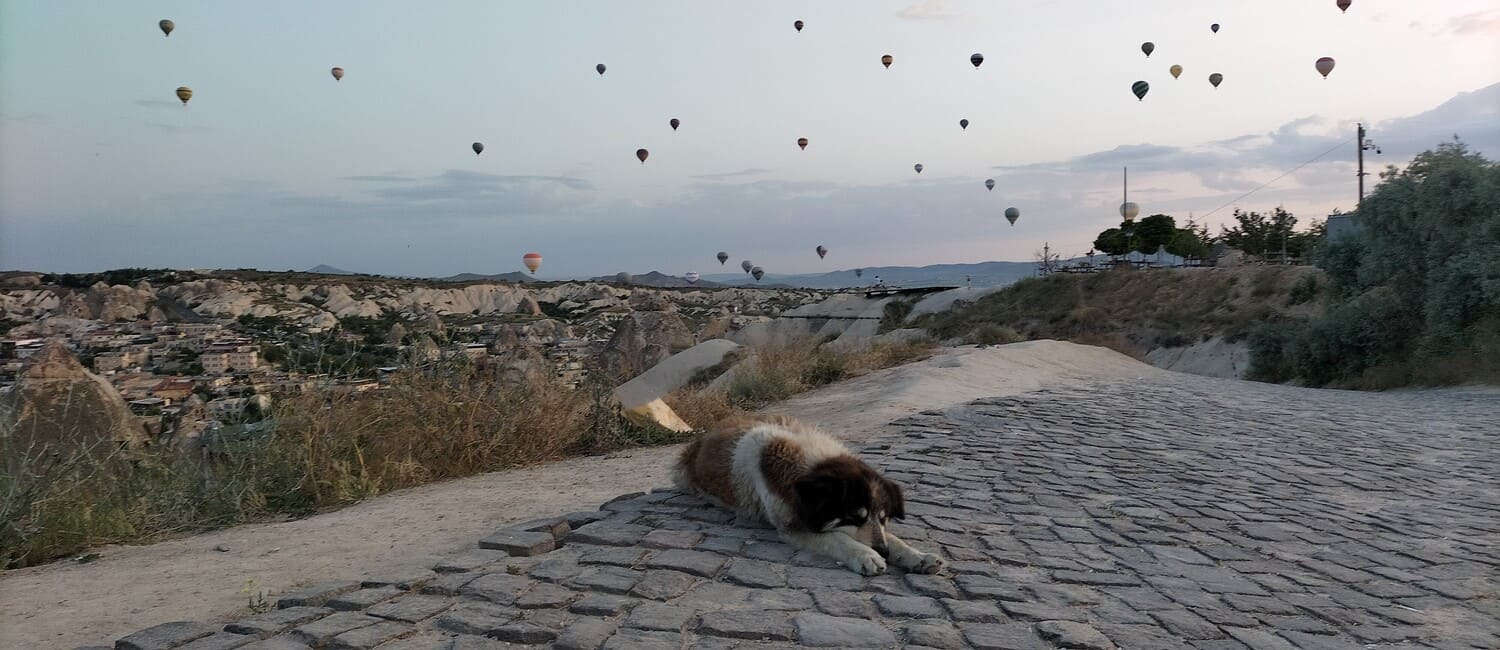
x=1283 y=175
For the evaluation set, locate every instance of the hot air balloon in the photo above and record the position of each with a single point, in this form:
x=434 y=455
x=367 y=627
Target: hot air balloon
x=723 y=257
x=1176 y=71
x=757 y=272
x=802 y=142
x=674 y=123
x=917 y=167
x=859 y=273
x=600 y=68
x=797 y=25
x=746 y=265
x=1011 y=214
x=166 y=26
x=1129 y=210
x=623 y=277
x=338 y=73
x=963 y=124
x=1214 y=27
x=976 y=59
x=1343 y=6
x=533 y=261
x=691 y=277
x=1216 y=79
x=1140 y=88
x=478 y=148
x=887 y=60
x=1324 y=66
x=642 y=153
x=822 y=252
x=184 y=93
x=989 y=184
x=1148 y=47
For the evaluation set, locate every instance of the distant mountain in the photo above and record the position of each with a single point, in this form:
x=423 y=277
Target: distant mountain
x=328 y=270
x=514 y=276
x=655 y=279
x=983 y=274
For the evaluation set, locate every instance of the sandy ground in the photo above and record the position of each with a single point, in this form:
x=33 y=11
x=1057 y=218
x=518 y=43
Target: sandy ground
x=64 y=605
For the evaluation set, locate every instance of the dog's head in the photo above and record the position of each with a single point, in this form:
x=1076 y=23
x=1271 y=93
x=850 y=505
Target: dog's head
x=847 y=496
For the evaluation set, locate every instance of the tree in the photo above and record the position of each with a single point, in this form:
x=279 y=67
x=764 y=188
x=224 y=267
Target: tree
x=1112 y=242
x=1255 y=233
x=1153 y=232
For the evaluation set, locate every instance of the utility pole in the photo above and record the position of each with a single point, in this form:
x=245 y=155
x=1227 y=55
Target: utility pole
x=1362 y=144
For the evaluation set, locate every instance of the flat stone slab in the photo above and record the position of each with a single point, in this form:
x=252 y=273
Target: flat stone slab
x=166 y=636
x=1169 y=513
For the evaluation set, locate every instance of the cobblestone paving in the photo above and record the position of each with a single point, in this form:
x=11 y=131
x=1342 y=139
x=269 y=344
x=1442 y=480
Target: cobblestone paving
x=1184 y=513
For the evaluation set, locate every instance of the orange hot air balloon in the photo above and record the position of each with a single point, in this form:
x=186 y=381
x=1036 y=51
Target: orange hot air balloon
x=184 y=93
x=533 y=261
x=887 y=60
x=642 y=153
x=338 y=73
x=802 y=142
x=1324 y=66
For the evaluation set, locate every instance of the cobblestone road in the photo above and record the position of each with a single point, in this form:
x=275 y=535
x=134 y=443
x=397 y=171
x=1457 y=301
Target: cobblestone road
x=1178 y=513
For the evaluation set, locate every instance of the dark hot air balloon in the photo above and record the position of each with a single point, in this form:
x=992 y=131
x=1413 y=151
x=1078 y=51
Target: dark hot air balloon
x=1011 y=214
x=1148 y=47
x=338 y=73
x=1214 y=27
x=642 y=153
x=1216 y=79
x=887 y=60
x=989 y=184
x=976 y=59
x=1343 y=5
x=600 y=68
x=723 y=257
x=184 y=93
x=822 y=252
x=797 y=25
x=859 y=273
x=963 y=124
x=533 y=261
x=166 y=26
x=1176 y=71
x=802 y=142
x=758 y=273
x=674 y=123
x=1140 y=88
x=917 y=167
x=478 y=148
x=747 y=265
x=1324 y=66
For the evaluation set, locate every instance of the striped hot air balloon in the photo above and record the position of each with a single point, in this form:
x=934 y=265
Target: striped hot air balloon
x=533 y=261
x=338 y=73
x=1140 y=88
x=691 y=277
x=989 y=184
x=184 y=93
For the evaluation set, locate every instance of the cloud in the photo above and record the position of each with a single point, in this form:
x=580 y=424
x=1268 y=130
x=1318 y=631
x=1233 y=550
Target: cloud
x=1478 y=23
x=26 y=116
x=753 y=171
x=928 y=10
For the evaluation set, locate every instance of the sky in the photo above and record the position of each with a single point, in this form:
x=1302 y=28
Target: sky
x=274 y=165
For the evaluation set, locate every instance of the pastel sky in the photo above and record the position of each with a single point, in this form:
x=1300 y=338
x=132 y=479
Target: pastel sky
x=274 y=165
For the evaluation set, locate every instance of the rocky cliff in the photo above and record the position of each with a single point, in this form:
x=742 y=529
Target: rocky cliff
x=57 y=401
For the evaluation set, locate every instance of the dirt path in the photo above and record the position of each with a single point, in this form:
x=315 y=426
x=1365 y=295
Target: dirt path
x=64 y=605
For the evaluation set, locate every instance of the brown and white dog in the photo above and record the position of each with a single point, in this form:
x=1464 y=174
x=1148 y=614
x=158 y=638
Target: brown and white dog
x=808 y=486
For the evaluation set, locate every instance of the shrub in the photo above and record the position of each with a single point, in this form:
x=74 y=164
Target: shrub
x=992 y=334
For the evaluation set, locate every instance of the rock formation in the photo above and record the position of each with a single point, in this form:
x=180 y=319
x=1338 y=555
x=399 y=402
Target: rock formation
x=56 y=401
x=642 y=340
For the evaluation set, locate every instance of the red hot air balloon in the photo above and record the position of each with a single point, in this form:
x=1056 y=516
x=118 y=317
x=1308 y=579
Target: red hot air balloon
x=338 y=73
x=1324 y=66
x=533 y=261
x=642 y=153
x=1343 y=5
x=674 y=122
x=797 y=25
x=802 y=142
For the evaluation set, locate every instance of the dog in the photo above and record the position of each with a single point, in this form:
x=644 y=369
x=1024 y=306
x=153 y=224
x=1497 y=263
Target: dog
x=807 y=485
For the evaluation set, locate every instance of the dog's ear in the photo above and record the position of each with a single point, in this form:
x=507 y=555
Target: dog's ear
x=818 y=499
x=895 y=500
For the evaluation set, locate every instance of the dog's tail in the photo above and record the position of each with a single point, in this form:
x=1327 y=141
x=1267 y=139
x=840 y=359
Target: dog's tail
x=680 y=477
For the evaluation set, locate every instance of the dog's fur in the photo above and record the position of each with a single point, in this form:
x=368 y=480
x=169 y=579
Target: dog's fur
x=805 y=484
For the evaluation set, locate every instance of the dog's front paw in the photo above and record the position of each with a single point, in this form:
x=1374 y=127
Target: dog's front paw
x=926 y=563
x=866 y=563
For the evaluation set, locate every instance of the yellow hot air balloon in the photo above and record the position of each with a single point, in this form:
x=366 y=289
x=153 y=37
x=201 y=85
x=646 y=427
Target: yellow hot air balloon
x=184 y=93
x=1176 y=71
